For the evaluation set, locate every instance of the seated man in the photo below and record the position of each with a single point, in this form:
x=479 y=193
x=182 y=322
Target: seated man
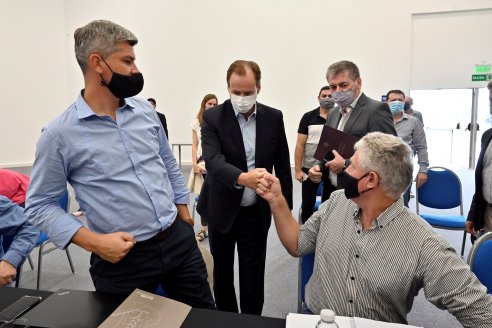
x=13 y=225
x=372 y=254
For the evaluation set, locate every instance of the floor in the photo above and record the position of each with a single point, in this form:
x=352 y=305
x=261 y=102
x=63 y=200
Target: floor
x=281 y=268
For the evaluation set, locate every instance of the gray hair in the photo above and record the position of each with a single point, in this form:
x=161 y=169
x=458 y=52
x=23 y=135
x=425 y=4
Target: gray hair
x=101 y=37
x=390 y=157
x=342 y=66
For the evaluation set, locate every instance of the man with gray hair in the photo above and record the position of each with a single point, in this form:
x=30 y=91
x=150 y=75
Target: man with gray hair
x=480 y=215
x=355 y=114
x=372 y=254
x=112 y=149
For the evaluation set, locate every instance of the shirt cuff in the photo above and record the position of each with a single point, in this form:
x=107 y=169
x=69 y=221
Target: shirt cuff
x=423 y=169
x=13 y=258
x=238 y=186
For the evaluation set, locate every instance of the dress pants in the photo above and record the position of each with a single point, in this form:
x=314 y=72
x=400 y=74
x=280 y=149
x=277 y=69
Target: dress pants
x=174 y=262
x=251 y=238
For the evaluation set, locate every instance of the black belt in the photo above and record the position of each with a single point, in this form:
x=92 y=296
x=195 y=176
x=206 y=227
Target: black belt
x=161 y=235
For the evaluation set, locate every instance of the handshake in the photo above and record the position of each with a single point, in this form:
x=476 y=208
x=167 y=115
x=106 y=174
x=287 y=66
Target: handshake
x=266 y=185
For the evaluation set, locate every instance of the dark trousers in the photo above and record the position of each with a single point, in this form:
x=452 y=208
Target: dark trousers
x=251 y=238
x=175 y=263
x=309 y=192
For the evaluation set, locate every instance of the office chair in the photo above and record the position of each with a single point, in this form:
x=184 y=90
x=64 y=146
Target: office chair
x=306 y=263
x=480 y=260
x=43 y=240
x=442 y=190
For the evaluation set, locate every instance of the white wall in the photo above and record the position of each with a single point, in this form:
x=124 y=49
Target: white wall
x=33 y=77
x=186 y=46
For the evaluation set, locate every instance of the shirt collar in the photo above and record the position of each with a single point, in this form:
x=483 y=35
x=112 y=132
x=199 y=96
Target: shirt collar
x=403 y=117
x=388 y=215
x=84 y=110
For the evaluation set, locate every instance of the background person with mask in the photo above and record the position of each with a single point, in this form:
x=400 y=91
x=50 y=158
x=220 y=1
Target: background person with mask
x=241 y=141
x=308 y=134
x=355 y=114
x=412 y=112
x=125 y=176
x=411 y=130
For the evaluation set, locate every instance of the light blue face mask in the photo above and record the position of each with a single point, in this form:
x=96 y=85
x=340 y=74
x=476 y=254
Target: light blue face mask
x=396 y=107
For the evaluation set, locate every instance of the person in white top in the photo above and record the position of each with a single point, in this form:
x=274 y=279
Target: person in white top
x=195 y=181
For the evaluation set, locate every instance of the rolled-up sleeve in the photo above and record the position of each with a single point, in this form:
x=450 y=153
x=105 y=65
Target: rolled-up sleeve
x=13 y=224
x=48 y=183
x=308 y=233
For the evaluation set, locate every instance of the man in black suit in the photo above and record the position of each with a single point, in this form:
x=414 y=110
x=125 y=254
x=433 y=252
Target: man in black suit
x=241 y=140
x=162 y=117
x=480 y=214
x=356 y=114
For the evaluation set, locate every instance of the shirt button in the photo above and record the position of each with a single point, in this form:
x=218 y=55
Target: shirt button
x=352 y=278
x=358 y=231
x=350 y=301
x=357 y=256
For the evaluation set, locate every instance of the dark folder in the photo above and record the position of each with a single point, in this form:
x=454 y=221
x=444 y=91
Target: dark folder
x=73 y=309
x=333 y=139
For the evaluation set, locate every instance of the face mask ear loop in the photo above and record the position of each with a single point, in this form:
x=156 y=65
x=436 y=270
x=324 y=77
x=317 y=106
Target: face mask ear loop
x=102 y=80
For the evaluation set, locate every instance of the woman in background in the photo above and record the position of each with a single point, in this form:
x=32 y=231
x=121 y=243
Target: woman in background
x=197 y=176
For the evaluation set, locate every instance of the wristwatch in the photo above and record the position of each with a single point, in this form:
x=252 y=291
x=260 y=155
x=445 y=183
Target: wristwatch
x=346 y=164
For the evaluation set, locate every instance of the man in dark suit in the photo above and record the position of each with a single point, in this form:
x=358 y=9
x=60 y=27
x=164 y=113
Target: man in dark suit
x=355 y=114
x=480 y=214
x=162 y=117
x=242 y=140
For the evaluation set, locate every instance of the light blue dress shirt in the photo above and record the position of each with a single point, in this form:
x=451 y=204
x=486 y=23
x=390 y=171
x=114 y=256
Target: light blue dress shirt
x=13 y=224
x=123 y=171
x=248 y=130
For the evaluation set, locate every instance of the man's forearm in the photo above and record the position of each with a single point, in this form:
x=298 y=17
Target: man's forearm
x=287 y=227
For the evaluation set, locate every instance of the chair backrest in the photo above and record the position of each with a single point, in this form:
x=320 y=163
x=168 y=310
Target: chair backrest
x=442 y=190
x=480 y=260
x=319 y=192
x=65 y=200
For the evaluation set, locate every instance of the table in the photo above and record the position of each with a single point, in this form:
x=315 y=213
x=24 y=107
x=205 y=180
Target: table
x=95 y=307
x=179 y=145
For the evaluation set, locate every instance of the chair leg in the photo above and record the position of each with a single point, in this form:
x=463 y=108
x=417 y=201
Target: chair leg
x=31 y=264
x=69 y=259
x=40 y=260
x=463 y=245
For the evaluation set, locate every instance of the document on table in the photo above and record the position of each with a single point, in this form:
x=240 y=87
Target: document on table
x=143 y=309
x=296 y=320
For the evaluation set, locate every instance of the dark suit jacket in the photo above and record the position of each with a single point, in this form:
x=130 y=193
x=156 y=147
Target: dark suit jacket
x=223 y=150
x=477 y=207
x=368 y=115
x=162 y=118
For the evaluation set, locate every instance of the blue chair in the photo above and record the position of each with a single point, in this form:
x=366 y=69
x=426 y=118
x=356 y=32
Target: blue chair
x=306 y=263
x=43 y=240
x=442 y=190
x=480 y=260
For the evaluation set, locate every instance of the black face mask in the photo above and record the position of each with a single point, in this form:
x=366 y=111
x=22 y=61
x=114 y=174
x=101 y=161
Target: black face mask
x=124 y=86
x=350 y=184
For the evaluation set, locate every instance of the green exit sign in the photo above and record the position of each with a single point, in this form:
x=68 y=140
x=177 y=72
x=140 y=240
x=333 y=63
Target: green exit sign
x=482 y=68
x=479 y=77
